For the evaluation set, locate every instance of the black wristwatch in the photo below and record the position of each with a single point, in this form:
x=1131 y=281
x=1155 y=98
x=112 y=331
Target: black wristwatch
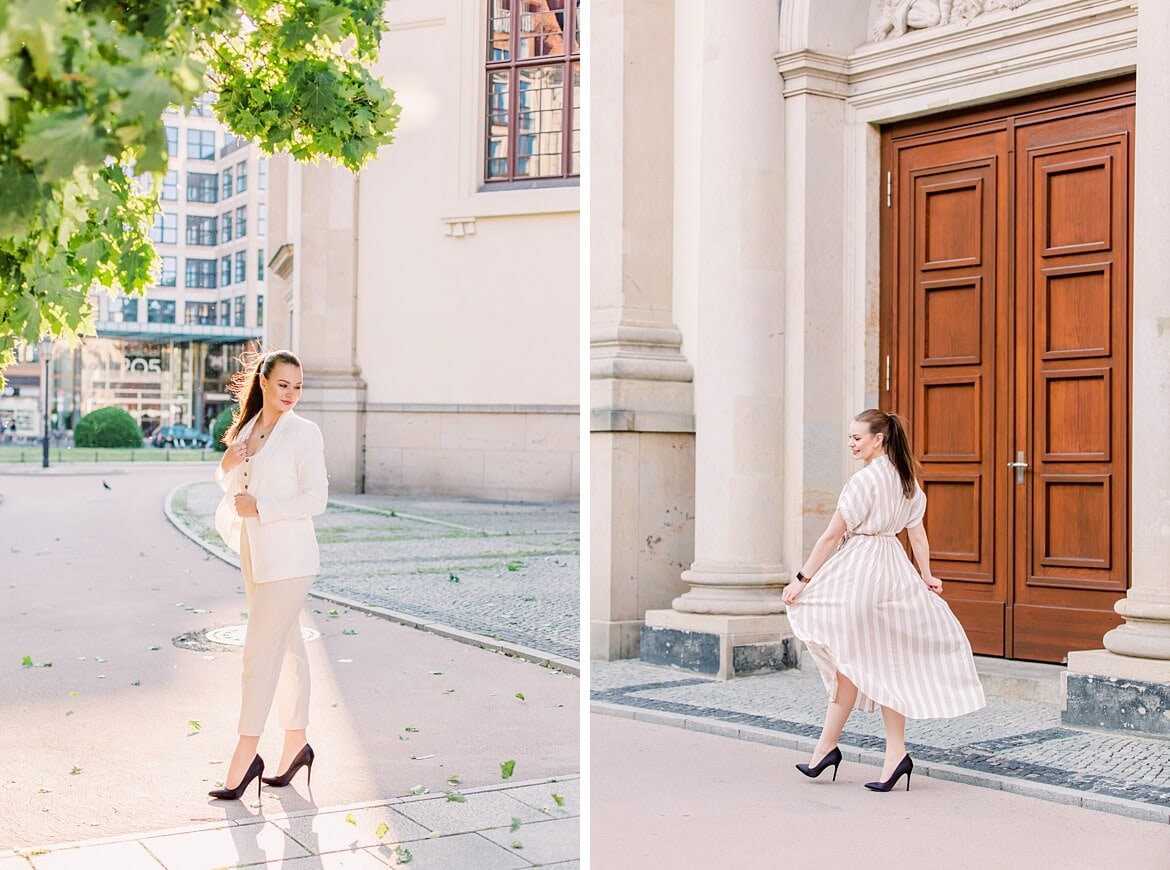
x=800 y=576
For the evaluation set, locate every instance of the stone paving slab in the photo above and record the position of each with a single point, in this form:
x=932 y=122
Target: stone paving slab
x=1011 y=744
x=504 y=826
x=506 y=571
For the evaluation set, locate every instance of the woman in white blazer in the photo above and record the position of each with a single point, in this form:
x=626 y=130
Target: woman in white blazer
x=274 y=481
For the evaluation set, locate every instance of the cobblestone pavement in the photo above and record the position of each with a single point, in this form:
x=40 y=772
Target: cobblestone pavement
x=1022 y=741
x=507 y=571
x=515 y=826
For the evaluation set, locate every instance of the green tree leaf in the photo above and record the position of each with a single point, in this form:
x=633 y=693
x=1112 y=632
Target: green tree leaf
x=506 y=768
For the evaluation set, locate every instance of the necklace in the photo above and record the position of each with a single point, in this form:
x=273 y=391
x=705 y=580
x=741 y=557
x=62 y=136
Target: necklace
x=270 y=428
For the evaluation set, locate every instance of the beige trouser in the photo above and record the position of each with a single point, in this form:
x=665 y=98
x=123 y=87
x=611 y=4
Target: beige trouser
x=275 y=660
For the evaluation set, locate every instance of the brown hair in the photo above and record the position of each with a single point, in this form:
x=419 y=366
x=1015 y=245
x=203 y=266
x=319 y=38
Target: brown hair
x=893 y=432
x=245 y=386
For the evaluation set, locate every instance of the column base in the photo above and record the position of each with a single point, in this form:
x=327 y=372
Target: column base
x=610 y=640
x=718 y=645
x=1117 y=693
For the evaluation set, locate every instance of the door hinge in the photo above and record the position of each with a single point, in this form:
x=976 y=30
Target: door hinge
x=889 y=188
x=887 y=373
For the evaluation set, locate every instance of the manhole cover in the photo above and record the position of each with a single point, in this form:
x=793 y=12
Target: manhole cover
x=233 y=635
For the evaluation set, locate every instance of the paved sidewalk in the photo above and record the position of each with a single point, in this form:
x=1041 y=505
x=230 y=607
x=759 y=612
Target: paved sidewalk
x=1011 y=745
x=504 y=571
x=503 y=827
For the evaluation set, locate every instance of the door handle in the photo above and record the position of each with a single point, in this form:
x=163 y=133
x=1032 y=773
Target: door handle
x=1019 y=465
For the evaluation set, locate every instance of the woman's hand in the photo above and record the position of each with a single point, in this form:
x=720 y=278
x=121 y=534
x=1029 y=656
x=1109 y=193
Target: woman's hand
x=933 y=584
x=246 y=505
x=236 y=453
x=792 y=591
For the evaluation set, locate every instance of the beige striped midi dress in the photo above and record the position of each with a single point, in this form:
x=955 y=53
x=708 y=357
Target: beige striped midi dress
x=868 y=614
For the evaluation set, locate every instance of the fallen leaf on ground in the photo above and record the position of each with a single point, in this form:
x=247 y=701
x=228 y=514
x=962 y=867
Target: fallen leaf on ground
x=349 y=818
x=520 y=695
x=422 y=757
x=75 y=771
x=382 y=830
x=506 y=768
x=419 y=789
x=556 y=797
x=403 y=855
x=455 y=797
x=515 y=824
x=453 y=779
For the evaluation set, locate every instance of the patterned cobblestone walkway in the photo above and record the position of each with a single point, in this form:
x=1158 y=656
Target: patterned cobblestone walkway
x=1011 y=744
x=506 y=571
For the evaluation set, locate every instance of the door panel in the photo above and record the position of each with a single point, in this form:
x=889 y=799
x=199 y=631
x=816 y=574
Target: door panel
x=1006 y=317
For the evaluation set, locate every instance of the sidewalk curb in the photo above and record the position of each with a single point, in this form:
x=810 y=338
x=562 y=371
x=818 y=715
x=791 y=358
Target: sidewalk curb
x=935 y=770
x=524 y=653
x=260 y=819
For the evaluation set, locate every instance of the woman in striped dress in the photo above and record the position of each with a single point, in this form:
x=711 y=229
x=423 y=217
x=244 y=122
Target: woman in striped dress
x=880 y=632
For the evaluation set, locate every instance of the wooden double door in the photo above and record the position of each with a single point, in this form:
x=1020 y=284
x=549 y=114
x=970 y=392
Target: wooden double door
x=1005 y=342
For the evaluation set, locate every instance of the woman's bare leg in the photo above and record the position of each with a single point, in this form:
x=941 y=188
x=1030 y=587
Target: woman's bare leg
x=835 y=717
x=294 y=742
x=241 y=760
x=895 y=724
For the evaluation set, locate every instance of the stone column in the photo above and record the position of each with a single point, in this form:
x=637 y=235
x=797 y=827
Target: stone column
x=641 y=420
x=1127 y=684
x=729 y=265
x=313 y=211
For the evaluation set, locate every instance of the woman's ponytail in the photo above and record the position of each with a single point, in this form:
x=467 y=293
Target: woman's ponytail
x=897 y=444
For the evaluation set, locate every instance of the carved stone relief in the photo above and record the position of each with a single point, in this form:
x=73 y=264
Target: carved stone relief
x=896 y=17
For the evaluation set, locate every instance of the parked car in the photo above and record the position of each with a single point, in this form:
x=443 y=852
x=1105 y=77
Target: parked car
x=180 y=436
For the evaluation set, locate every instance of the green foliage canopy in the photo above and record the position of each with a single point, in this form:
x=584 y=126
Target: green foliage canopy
x=83 y=86
x=107 y=427
x=219 y=428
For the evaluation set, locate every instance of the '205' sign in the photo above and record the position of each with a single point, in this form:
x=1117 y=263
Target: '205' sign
x=141 y=364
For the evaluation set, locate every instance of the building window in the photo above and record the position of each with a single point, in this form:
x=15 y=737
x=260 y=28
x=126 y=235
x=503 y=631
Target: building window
x=203 y=106
x=262 y=174
x=225 y=226
x=201 y=313
x=160 y=311
x=200 y=273
x=532 y=130
x=240 y=311
x=260 y=266
x=166 y=228
x=201 y=230
x=201 y=186
x=225 y=271
x=241 y=176
x=225 y=312
x=170 y=188
x=200 y=144
x=259 y=310
x=172 y=140
x=168 y=272
x=241 y=266
x=130 y=310
x=241 y=221
x=261 y=218
x=227 y=185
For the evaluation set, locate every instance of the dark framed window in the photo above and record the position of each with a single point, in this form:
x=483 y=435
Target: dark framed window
x=202 y=186
x=225 y=271
x=241 y=176
x=532 y=130
x=227 y=184
x=172 y=140
x=259 y=310
x=203 y=106
x=168 y=274
x=166 y=228
x=202 y=229
x=260 y=266
x=200 y=144
x=225 y=311
x=170 y=187
x=200 y=273
x=160 y=311
x=130 y=309
x=241 y=310
x=225 y=226
x=202 y=313
x=241 y=266
x=262 y=174
x=241 y=221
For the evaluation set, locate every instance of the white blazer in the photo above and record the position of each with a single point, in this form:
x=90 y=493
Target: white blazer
x=288 y=479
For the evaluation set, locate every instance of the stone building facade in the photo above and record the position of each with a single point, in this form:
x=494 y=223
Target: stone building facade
x=433 y=297
x=949 y=209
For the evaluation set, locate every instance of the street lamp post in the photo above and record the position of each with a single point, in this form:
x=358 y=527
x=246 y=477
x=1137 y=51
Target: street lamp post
x=46 y=353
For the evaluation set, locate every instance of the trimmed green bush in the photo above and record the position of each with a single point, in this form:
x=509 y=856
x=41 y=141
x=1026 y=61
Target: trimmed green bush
x=107 y=427
x=220 y=426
